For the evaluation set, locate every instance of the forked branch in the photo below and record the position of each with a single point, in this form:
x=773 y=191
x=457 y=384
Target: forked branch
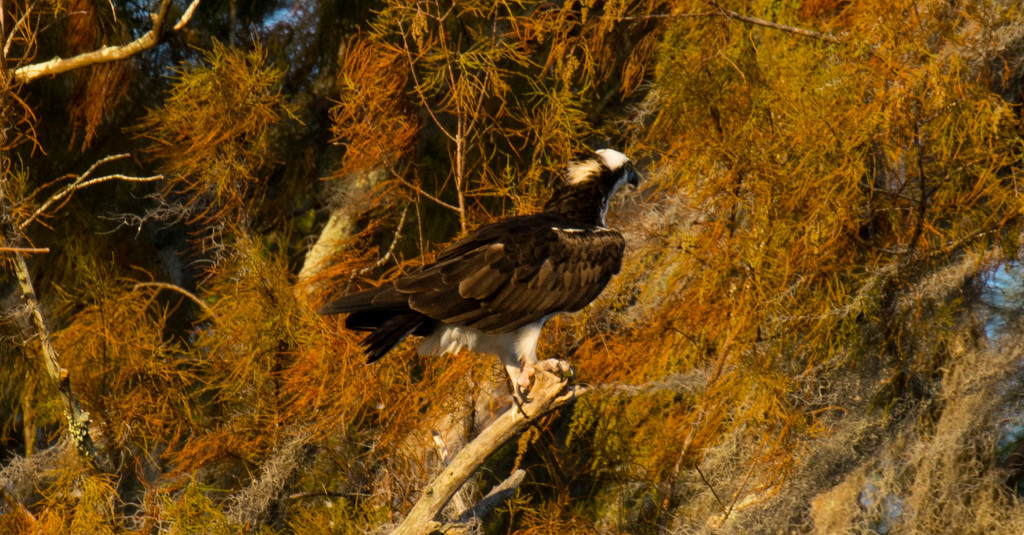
x=57 y=65
x=548 y=394
x=83 y=181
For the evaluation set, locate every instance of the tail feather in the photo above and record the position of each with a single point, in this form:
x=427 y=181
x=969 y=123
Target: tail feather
x=390 y=333
x=385 y=298
x=385 y=313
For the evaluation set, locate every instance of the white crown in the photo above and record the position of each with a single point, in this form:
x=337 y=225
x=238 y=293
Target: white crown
x=613 y=159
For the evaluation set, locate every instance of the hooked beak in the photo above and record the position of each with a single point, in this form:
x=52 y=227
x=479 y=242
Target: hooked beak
x=633 y=179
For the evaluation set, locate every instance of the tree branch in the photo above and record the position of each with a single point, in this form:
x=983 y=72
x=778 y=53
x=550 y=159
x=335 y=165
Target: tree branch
x=419 y=190
x=83 y=181
x=106 y=54
x=498 y=494
x=78 y=419
x=175 y=288
x=774 y=25
x=25 y=250
x=416 y=84
x=549 y=393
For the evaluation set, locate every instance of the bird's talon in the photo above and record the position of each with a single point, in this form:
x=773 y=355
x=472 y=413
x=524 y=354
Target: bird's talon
x=559 y=368
x=522 y=395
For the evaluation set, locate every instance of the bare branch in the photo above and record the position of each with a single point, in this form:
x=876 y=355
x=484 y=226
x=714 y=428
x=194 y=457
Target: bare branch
x=548 y=394
x=387 y=256
x=106 y=54
x=187 y=15
x=83 y=181
x=498 y=494
x=25 y=250
x=78 y=420
x=419 y=190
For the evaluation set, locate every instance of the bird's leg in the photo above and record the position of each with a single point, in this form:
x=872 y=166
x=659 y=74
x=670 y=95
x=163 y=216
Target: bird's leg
x=518 y=397
x=525 y=381
x=530 y=367
x=522 y=370
x=520 y=375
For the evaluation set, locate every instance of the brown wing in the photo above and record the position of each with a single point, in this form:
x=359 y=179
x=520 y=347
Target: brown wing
x=515 y=272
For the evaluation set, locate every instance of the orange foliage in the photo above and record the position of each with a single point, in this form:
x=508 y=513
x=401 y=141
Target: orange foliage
x=372 y=118
x=801 y=194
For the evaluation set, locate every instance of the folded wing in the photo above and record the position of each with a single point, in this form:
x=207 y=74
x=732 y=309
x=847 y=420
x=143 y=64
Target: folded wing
x=507 y=275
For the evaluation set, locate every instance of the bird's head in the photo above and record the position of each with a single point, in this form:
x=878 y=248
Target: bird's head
x=608 y=169
x=591 y=180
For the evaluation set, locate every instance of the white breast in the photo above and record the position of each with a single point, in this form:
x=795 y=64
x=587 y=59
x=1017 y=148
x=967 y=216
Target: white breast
x=516 y=346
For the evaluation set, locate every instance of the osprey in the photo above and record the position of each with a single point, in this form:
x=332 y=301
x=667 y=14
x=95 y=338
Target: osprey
x=492 y=291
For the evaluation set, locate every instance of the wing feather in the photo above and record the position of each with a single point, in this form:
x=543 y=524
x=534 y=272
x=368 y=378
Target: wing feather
x=514 y=272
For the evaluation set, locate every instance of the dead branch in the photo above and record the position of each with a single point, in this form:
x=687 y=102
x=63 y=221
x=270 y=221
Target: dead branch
x=77 y=418
x=497 y=495
x=471 y=520
x=106 y=54
x=83 y=181
x=25 y=250
x=549 y=393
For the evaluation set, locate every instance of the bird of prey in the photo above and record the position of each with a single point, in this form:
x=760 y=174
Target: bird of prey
x=492 y=291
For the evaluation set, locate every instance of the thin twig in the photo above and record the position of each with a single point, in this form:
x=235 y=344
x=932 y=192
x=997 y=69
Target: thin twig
x=417 y=86
x=14 y=30
x=25 y=250
x=419 y=190
x=83 y=181
x=462 y=129
x=175 y=288
x=743 y=486
x=391 y=249
x=712 y=489
x=774 y=25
